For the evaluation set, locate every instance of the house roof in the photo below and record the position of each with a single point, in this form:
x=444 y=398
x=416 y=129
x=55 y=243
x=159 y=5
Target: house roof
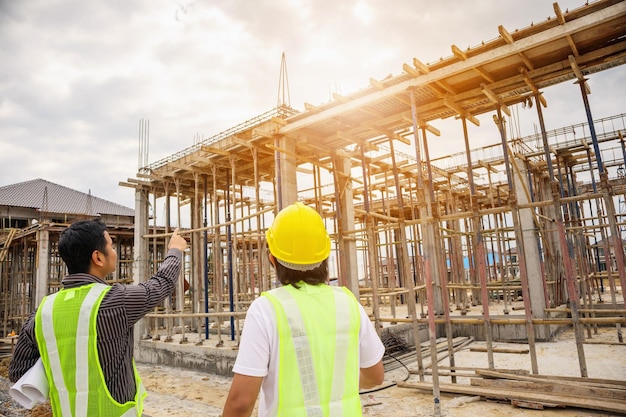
x=48 y=197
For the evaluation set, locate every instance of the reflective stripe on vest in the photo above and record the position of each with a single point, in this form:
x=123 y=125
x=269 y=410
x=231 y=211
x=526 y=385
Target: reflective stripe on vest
x=72 y=398
x=315 y=391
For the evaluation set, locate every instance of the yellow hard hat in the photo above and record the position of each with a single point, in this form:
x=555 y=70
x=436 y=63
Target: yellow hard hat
x=298 y=238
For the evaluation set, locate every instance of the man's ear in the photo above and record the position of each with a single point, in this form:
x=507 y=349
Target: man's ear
x=97 y=258
x=272 y=260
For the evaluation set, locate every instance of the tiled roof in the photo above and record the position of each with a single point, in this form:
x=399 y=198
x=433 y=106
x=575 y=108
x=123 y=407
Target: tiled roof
x=32 y=194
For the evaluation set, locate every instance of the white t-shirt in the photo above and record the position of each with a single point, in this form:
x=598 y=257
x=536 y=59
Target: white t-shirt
x=258 y=350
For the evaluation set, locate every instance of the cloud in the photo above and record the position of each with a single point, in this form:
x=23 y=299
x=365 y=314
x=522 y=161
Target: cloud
x=76 y=77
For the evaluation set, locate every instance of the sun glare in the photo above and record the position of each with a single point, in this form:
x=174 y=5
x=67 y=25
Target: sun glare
x=363 y=12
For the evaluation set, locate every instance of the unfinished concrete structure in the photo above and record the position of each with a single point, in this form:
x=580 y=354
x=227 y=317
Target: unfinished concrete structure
x=32 y=216
x=527 y=218
x=531 y=218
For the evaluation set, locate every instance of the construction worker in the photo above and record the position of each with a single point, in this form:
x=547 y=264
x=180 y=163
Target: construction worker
x=306 y=346
x=84 y=333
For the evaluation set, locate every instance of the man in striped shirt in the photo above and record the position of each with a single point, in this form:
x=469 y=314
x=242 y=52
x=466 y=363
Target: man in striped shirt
x=86 y=248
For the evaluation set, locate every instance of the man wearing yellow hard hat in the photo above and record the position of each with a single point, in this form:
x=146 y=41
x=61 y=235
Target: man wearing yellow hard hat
x=306 y=347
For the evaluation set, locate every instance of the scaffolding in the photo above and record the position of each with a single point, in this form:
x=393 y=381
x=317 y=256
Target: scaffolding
x=30 y=267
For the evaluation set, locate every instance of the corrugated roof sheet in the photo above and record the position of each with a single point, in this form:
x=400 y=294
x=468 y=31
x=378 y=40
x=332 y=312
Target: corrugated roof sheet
x=33 y=194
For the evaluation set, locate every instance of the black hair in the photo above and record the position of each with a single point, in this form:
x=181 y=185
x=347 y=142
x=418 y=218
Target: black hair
x=78 y=242
x=316 y=276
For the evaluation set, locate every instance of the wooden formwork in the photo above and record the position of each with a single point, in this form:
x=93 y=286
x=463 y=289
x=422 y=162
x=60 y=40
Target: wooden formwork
x=525 y=222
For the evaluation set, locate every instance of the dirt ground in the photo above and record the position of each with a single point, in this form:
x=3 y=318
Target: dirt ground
x=183 y=393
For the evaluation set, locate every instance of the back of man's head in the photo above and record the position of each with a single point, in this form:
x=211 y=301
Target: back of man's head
x=78 y=242
x=316 y=276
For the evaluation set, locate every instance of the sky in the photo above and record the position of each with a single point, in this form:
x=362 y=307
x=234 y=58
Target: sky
x=77 y=77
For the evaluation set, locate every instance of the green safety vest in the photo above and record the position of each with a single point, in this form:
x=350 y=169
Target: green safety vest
x=318 y=367
x=65 y=327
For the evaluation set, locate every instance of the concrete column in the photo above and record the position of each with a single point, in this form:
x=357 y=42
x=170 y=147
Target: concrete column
x=551 y=245
x=43 y=262
x=531 y=250
x=141 y=270
x=347 y=243
x=196 y=241
x=286 y=181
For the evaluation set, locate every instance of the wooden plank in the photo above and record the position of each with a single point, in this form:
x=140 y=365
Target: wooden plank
x=527 y=404
x=534 y=405
x=601 y=382
x=606 y=383
x=602 y=404
x=473 y=369
x=499 y=350
x=448 y=373
x=551 y=387
x=600 y=342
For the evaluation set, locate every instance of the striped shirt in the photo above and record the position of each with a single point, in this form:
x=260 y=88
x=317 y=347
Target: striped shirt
x=121 y=308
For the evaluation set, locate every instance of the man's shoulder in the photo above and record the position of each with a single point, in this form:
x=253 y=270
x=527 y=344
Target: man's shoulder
x=274 y=291
x=261 y=304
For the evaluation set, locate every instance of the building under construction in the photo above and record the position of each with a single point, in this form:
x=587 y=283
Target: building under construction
x=529 y=228
x=32 y=216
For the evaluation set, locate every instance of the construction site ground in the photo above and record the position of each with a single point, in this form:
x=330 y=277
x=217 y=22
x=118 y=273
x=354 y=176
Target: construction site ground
x=181 y=393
